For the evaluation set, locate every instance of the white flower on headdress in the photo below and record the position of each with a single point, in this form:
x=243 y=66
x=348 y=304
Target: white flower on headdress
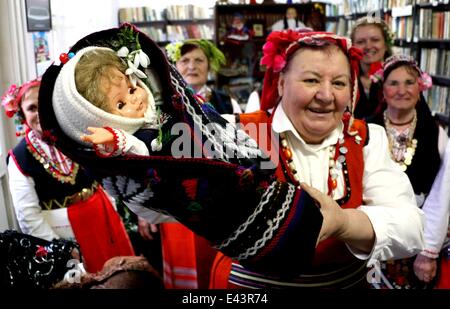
x=141 y=58
x=134 y=59
x=134 y=73
x=123 y=52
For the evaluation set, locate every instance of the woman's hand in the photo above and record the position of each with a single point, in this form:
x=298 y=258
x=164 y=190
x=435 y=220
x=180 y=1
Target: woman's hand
x=98 y=136
x=351 y=226
x=335 y=220
x=146 y=229
x=425 y=268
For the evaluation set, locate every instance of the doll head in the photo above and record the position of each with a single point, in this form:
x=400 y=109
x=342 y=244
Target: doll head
x=100 y=78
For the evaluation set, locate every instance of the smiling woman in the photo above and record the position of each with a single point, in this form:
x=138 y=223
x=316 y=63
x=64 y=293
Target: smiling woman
x=417 y=146
x=374 y=38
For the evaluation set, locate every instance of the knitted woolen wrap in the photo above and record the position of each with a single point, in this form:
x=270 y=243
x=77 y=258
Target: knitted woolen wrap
x=74 y=113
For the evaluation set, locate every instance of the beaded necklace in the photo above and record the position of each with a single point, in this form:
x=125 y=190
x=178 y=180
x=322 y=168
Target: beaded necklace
x=62 y=168
x=336 y=162
x=402 y=145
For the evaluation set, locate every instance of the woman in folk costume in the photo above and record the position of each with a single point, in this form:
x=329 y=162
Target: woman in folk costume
x=367 y=204
x=374 y=37
x=417 y=144
x=213 y=178
x=53 y=196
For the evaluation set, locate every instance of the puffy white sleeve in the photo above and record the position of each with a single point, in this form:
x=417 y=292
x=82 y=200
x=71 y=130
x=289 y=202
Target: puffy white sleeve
x=26 y=204
x=389 y=202
x=437 y=208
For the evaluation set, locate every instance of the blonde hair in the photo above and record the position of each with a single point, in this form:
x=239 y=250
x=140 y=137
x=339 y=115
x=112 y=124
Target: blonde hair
x=92 y=67
x=388 y=36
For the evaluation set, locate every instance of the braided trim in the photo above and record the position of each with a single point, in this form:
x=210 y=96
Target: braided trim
x=264 y=200
x=198 y=120
x=273 y=226
x=249 y=147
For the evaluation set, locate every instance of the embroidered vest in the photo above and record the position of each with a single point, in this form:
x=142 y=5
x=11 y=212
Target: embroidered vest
x=50 y=191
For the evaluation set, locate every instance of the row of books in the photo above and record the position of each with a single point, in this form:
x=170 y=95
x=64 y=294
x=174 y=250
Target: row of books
x=172 y=12
x=137 y=14
x=341 y=27
x=435 y=61
x=192 y=31
x=178 y=32
x=359 y=6
x=437 y=98
x=402 y=27
x=187 y=12
x=438 y=28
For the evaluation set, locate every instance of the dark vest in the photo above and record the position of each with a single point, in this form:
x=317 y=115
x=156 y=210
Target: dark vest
x=367 y=106
x=47 y=187
x=221 y=102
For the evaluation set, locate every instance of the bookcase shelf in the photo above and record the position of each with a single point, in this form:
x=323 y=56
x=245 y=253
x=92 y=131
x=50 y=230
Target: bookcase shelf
x=242 y=73
x=175 y=23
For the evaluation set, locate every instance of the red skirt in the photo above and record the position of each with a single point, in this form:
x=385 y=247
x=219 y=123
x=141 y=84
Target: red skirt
x=99 y=231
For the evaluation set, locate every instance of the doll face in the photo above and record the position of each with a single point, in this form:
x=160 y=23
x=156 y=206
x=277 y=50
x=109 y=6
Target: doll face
x=370 y=40
x=123 y=99
x=30 y=109
x=314 y=91
x=193 y=66
x=401 y=89
x=291 y=13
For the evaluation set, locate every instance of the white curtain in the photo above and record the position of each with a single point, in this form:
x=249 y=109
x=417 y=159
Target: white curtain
x=16 y=55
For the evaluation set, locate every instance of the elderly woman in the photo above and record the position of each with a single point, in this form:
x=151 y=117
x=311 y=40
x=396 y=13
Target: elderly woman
x=373 y=36
x=417 y=145
x=194 y=59
x=367 y=203
x=53 y=196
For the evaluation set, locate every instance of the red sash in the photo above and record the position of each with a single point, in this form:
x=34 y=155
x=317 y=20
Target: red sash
x=187 y=258
x=99 y=231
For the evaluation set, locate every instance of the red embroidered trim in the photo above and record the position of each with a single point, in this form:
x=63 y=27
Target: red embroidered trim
x=104 y=154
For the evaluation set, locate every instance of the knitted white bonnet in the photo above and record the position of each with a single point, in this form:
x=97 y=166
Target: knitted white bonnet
x=74 y=113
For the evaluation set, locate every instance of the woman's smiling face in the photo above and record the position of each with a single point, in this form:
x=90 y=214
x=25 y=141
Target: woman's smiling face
x=315 y=90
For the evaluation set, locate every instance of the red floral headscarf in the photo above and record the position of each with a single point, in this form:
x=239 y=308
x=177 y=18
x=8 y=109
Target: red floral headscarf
x=13 y=96
x=281 y=44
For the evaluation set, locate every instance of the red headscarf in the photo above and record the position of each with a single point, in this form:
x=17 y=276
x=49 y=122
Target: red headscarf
x=12 y=98
x=281 y=44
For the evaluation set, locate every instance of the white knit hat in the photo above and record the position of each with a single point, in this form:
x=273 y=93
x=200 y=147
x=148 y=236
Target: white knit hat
x=74 y=113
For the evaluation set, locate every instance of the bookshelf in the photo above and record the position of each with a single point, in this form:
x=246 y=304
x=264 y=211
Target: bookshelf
x=175 y=23
x=242 y=73
x=422 y=29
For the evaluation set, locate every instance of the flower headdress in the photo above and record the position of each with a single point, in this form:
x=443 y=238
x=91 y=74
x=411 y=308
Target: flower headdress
x=425 y=81
x=282 y=44
x=11 y=100
x=215 y=57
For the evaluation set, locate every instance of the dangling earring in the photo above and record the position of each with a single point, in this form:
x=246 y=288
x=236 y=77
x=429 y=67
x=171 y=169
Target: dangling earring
x=21 y=127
